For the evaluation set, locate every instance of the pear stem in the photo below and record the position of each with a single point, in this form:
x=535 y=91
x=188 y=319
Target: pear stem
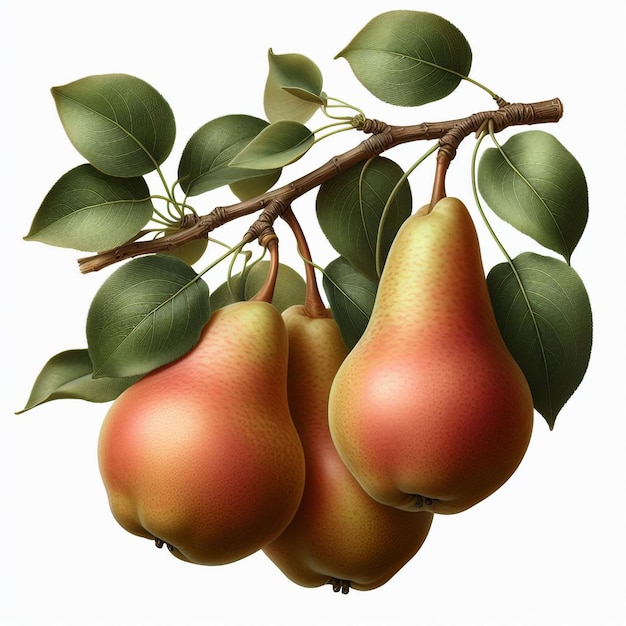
x=266 y=293
x=382 y=138
x=314 y=306
x=439 y=185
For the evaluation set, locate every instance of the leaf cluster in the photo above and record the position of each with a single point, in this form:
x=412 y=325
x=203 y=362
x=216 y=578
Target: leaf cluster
x=151 y=310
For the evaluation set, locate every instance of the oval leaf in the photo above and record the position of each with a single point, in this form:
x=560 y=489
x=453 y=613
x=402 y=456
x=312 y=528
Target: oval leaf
x=88 y=210
x=228 y=292
x=147 y=313
x=409 y=58
x=277 y=145
x=68 y=375
x=350 y=207
x=249 y=188
x=537 y=186
x=293 y=90
x=290 y=287
x=544 y=315
x=119 y=123
x=191 y=251
x=351 y=298
x=205 y=161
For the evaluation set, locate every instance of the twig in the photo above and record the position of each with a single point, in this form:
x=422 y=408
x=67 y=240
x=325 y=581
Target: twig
x=382 y=138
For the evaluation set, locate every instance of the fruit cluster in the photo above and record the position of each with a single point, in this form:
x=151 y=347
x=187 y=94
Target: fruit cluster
x=270 y=434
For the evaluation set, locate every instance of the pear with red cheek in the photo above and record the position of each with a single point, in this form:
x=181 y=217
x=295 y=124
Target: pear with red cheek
x=340 y=535
x=430 y=411
x=202 y=454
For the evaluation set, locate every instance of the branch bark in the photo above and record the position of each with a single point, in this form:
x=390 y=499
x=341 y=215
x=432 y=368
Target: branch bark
x=382 y=138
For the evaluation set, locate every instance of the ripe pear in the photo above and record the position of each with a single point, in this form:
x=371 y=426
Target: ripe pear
x=430 y=411
x=339 y=535
x=201 y=454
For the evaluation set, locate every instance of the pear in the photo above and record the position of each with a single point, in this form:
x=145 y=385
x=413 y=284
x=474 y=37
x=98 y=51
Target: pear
x=339 y=535
x=202 y=454
x=430 y=411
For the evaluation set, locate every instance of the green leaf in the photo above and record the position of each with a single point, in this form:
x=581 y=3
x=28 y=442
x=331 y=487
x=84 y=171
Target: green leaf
x=277 y=145
x=191 y=251
x=537 y=186
x=228 y=292
x=293 y=90
x=88 y=210
x=68 y=375
x=544 y=315
x=409 y=58
x=252 y=187
x=351 y=298
x=147 y=313
x=205 y=161
x=290 y=287
x=119 y=123
x=350 y=207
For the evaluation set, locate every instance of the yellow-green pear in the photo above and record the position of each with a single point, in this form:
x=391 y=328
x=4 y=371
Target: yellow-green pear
x=339 y=535
x=202 y=454
x=430 y=411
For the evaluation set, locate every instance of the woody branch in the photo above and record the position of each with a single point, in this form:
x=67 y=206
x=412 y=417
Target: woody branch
x=382 y=138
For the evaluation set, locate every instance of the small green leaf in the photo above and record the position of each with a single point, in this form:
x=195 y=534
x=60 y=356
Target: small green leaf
x=119 y=123
x=147 y=313
x=205 y=161
x=191 y=251
x=290 y=287
x=228 y=292
x=293 y=90
x=537 y=186
x=68 y=375
x=350 y=207
x=351 y=298
x=88 y=210
x=277 y=145
x=545 y=318
x=249 y=188
x=409 y=58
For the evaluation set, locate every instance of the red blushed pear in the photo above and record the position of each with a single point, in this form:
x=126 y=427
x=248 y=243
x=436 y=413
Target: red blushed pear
x=202 y=454
x=339 y=535
x=430 y=411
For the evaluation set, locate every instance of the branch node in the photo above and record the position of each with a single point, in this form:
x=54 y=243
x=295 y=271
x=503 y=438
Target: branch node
x=378 y=143
x=513 y=114
x=373 y=127
x=188 y=220
x=216 y=218
x=263 y=227
x=449 y=143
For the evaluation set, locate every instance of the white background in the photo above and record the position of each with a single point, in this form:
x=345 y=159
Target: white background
x=548 y=548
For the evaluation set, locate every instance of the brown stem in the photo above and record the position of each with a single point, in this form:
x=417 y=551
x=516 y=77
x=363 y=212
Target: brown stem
x=383 y=137
x=439 y=185
x=266 y=293
x=313 y=304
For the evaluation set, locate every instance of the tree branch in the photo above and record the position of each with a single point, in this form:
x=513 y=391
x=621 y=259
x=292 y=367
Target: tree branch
x=382 y=138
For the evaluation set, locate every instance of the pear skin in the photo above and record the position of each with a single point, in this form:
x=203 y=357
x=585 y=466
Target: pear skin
x=430 y=411
x=202 y=454
x=339 y=535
